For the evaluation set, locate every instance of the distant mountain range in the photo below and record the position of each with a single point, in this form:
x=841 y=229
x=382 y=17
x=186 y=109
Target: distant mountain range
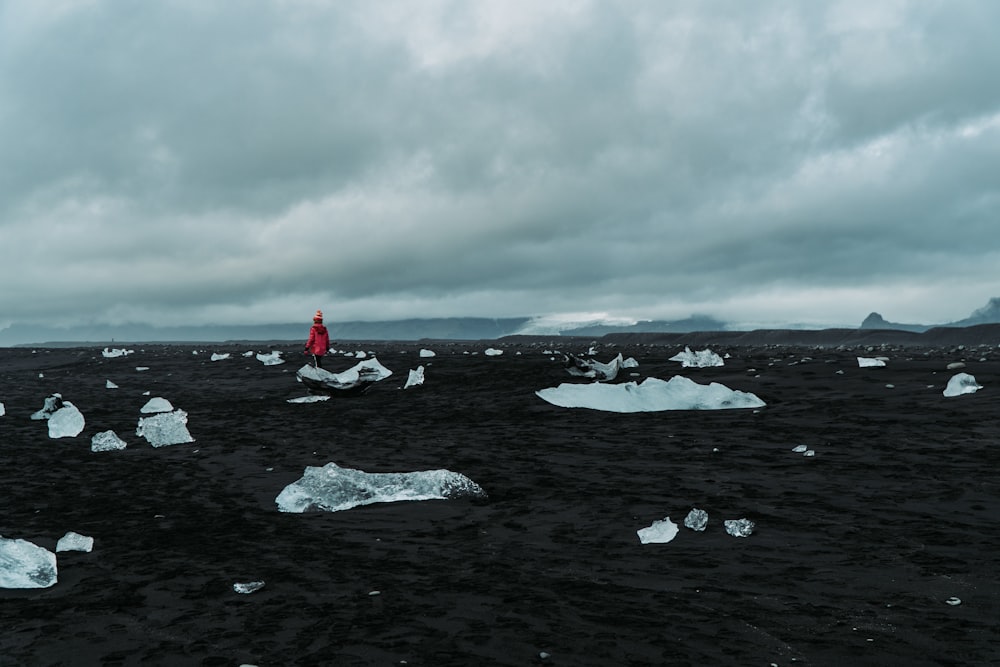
x=988 y=314
x=447 y=328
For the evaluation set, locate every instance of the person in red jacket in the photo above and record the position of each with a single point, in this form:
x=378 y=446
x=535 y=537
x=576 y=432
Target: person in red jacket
x=319 y=340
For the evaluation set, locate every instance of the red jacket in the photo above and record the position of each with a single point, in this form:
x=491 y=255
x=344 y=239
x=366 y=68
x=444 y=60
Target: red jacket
x=319 y=340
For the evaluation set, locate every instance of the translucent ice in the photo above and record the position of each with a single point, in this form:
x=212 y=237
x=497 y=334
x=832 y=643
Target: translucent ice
x=3 y=410
x=156 y=404
x=333 y=488
x=660 y=532
x=696 y=519
x=699 y=359
x=867 y=362
x=110 y=354
x=166 y=428
x=592 y=368
x=963 y=383
x=652 y=395
x=66 y=422
x=416 y=378
x=75 y=542
x=739 y=527
x=314 y=398
x=26 y=565
x=106 y=441
x=248 y=587
x=426 y=353
x=216 y=356
x=800 y=449
x=493 y=352
x=110 y=385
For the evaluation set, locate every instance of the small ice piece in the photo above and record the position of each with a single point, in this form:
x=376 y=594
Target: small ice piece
x=106 y=441
x=272 y=359
x=869 y=362
x=333 y=488
x=962 y=383
x=809 y=452
x=799 y=449
x=110 y=354
x=52 y=403
x=953 y=601
x=416 y=378
x=739 y=527
x=700 y=359
x=630 y=363
x=493 y=352
x=3 y=410
x=360 y=354
x=217 y=356
x=955 y=365
x=248 y=353
x=165 y=428
x=110 y=385
x=66 y=422
x=426 y=353
x=696 y=519
x=75 y=542
x=659 y=532
x=248 y=587
x=141 y=368
x=156 y=405
x=314 y=398
x=26 y=565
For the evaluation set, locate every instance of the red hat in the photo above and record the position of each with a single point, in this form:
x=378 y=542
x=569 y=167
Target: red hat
x=318 y=317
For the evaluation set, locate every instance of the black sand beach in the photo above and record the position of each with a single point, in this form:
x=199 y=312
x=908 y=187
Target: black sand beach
x=856 y=550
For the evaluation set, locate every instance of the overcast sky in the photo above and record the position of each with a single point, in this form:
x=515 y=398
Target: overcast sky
x=186 y=161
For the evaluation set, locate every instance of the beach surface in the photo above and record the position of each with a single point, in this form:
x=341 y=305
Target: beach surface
x=880 y=549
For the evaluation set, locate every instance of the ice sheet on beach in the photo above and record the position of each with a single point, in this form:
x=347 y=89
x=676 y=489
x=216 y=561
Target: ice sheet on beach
x=165 y=428
x=106 y=441
x=962 y=383
x=416 y=378
x=156 y=404
x=75 y=542
x=26 y=565
x=66 y=422
x=591 y=368
x=271 y=359
x=700 y=359
x=333 y=488
x=870 y=362
x=660 y=532
x=652 y=395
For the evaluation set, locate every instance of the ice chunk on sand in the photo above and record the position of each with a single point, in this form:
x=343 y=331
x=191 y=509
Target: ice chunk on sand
x=52 y=403
x=272 y=359
x=660 y=532
x=416 y=378
x=630 y=363
x=66 y=422
x=696 y=519
x=111 y=354
x=426 y=353
x=739 y=527
x=493 y=352
x=217 y=356
x=75 y=542
x=333 y=488
x=962 y=383
x=652 y=395
x=315 y=398
x=592 y=368
x=26 y=565
x=868 y=362
x=248 y=587
x=156 y=404
x=165 y=428
x=110 y=385
x=106 y=441
x=700 y=359
x=3 y=410
x=955 y=365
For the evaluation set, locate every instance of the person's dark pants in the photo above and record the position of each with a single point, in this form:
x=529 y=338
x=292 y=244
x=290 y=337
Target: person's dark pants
x=318 y=361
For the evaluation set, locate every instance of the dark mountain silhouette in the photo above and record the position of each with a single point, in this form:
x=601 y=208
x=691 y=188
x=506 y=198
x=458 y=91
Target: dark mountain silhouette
x=988 y=314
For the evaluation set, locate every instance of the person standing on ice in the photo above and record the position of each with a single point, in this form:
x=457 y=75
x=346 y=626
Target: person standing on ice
x=319 y=340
